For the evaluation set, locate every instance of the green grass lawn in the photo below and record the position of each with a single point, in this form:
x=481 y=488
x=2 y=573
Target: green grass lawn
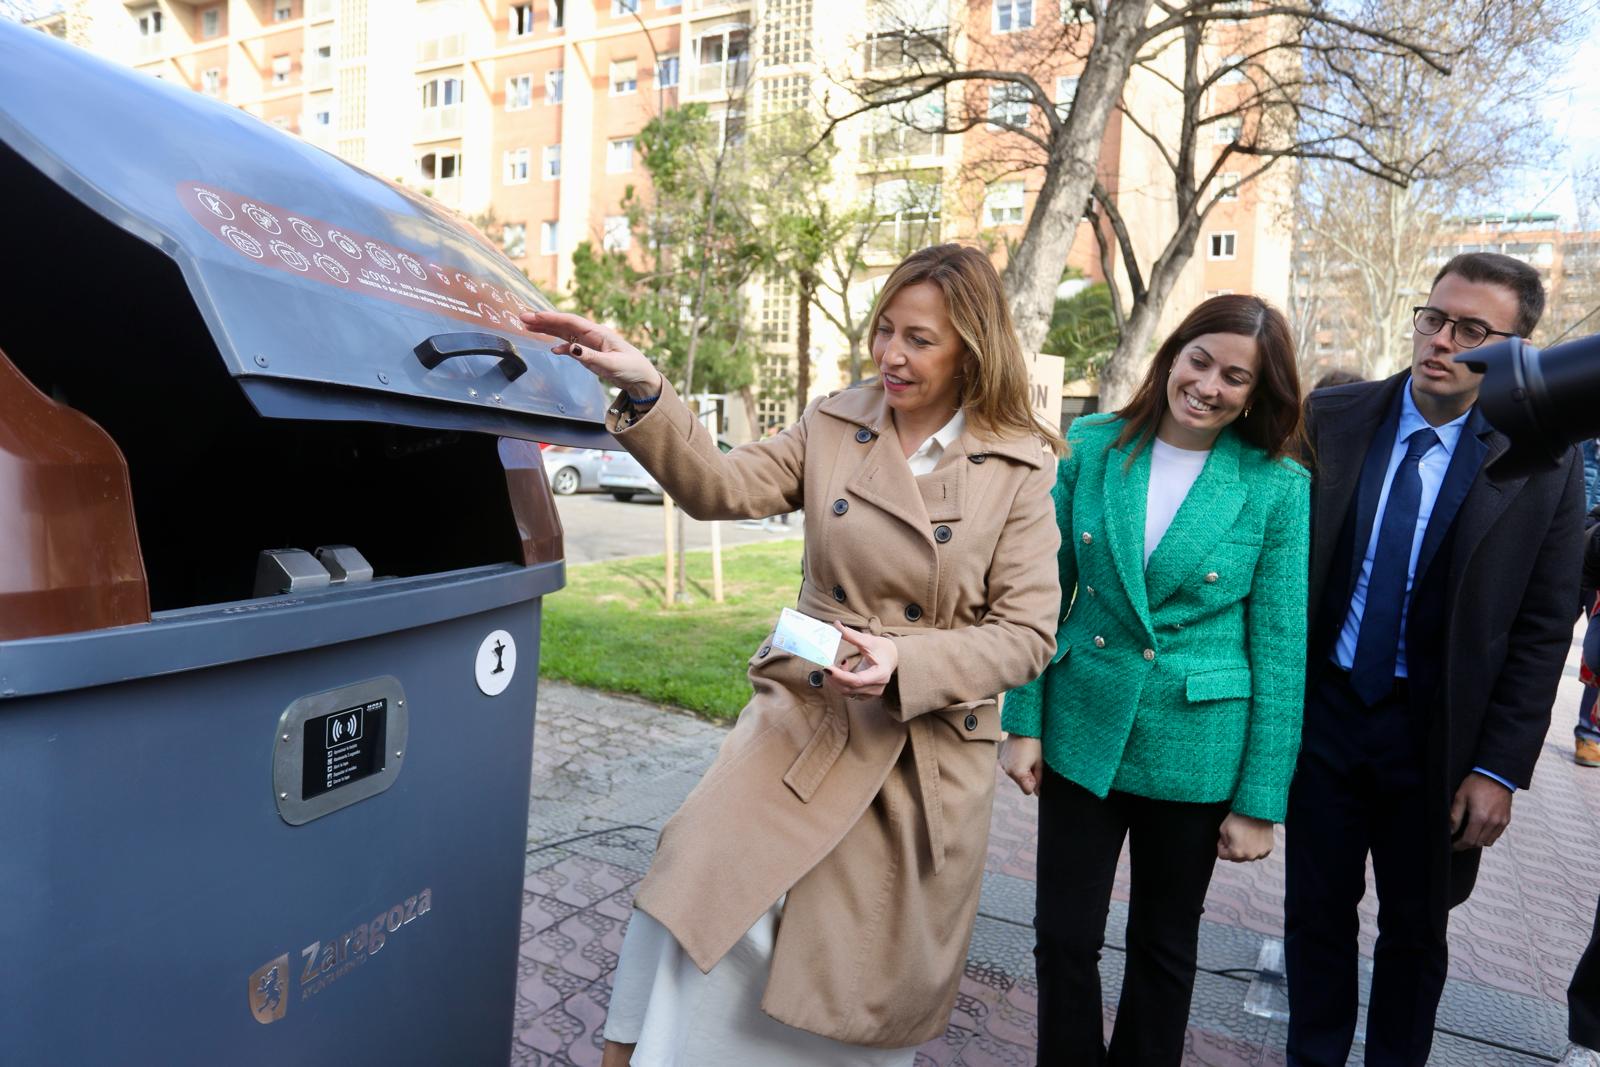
x=608 y=630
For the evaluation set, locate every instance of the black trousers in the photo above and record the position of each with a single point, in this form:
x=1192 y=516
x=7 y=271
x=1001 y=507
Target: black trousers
x=1359 y=789
x=1172 y=849
x=1583 y=995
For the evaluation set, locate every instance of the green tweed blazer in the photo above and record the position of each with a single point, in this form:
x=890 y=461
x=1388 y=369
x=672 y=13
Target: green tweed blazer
x=1183 y=680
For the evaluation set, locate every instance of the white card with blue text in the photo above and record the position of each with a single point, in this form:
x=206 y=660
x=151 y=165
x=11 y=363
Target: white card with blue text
x=806 y=637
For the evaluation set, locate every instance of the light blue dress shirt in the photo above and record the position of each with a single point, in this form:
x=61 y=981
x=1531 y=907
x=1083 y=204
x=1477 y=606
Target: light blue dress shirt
x=1431 y=468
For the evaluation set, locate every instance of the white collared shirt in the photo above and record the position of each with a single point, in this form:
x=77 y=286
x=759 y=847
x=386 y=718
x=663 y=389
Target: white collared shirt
x=931 y=451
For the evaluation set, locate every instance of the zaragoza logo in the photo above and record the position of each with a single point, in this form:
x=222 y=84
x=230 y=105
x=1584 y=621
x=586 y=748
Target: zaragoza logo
x=328 y=961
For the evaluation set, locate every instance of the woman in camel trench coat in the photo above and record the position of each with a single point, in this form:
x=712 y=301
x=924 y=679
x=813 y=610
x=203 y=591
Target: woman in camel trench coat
x=865 y=817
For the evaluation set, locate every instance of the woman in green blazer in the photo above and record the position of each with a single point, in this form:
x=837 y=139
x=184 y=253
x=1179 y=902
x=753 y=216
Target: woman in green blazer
x=1170 y=716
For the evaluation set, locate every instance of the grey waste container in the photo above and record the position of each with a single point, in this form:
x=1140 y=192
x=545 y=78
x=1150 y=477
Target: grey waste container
x=273 y=538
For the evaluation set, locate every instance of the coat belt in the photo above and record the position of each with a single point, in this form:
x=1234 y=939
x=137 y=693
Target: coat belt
x=920 y=736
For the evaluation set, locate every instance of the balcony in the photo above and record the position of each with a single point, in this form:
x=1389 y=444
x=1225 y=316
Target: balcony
x=904 y=48
x=446 y=191
x=149 y=46
x=438 y=122
x=318 y=71
x=897 y=238
x=721 y=78
x=439 y=49
x=899 y=142
x=320 y=9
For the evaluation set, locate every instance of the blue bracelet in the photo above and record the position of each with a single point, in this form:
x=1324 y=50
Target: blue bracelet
x=647 y=400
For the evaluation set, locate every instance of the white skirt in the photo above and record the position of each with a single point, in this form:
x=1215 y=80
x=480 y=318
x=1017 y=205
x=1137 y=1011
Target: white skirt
x=679 y=1017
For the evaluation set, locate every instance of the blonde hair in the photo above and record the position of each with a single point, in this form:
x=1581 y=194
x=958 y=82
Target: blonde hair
x=993 y=377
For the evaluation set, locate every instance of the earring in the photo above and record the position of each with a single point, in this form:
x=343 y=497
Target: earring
x=1247 y=413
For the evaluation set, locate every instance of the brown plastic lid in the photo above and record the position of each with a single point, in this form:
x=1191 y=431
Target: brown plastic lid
x=69 y=549
x=533 y=505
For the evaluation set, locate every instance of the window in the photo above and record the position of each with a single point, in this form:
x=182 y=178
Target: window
x=521 y=23
x=281 y=67
x=1066 y=92
x=1228 y=187
x=558 y=14
x=282 y=11
x=519 y=92
x=211 y=81
x=322 y=118
x=1221 y=245
x=1002 y=205
x=1012 y=15
x=624 y=7
x=441 y=92
x=551 y=166
x=619 y=155
x=906 y=215
x=150 y=24
x=549 y=238
x=669 y=3
x=616 y=237
x=624 y=76
x=210 y=22
x=554 y=80
x=722 y=59
x=516 y=166
x=1226 y=131
x=514 y=240
x=439 y=167
x=667 y=72
x=1008 y=106
x=1232 y=70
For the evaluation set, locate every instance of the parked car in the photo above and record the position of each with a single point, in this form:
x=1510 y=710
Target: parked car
x=573 y=470
x=625 y=478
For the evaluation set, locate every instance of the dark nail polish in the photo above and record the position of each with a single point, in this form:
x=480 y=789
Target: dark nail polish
x=575 y=349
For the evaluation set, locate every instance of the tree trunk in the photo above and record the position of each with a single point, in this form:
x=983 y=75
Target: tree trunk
x=802 y=341
x=1121 y=375
x=1034 y=269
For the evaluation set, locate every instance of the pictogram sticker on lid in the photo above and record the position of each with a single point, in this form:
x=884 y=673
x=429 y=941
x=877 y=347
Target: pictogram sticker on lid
x=295 y=243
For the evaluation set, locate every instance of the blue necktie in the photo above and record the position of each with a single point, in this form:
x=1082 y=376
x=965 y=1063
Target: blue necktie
x=1378 y=643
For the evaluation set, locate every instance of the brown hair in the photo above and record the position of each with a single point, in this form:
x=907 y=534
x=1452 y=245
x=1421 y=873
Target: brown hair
x=994 y=378
x=1491 y=268
x=1272 y=421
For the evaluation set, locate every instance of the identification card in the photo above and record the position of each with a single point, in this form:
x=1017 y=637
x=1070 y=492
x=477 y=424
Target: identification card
x=806 y=637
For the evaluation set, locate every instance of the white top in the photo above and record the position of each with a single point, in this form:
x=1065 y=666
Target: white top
x=1172 y=473
x=931 y=451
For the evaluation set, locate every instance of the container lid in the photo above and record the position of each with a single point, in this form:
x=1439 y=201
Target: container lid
x=331 y=293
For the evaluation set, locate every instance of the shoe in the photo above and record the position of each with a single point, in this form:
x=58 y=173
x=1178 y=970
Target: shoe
x=1577 y=1055
x=1588 y=755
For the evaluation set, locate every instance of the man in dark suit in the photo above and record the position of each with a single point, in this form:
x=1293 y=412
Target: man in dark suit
x=1441 y=604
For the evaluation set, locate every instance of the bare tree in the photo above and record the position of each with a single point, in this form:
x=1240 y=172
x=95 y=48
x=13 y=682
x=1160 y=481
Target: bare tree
x=1280 y=78
x=1377 y=242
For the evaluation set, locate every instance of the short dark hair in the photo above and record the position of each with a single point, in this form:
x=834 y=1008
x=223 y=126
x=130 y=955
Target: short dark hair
x=1273 y=422
x=1492 y=268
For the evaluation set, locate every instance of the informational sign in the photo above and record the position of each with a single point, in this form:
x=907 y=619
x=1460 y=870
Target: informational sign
x=1046 y=374
x=496 y=663
x=342 y=747
x=294 y=243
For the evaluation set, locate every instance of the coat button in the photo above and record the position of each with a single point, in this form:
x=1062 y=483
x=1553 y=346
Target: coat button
x=941 y=534
x=971 y=723
x=763 y=653
x=1099 y=642
x=1149 y=655
x=863 y=435
x=841 y=506
x=913 y=612
x=838 y=593
x=1088 y=538
x=1211 y=577
x=978 y=457
x=815 y=678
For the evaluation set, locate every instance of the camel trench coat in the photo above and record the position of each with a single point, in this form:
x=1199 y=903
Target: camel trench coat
x=871 y=814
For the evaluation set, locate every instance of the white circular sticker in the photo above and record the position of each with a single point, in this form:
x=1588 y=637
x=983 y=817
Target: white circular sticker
x=497 y=662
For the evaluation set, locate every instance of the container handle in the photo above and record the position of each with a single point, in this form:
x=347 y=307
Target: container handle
x=442 y=346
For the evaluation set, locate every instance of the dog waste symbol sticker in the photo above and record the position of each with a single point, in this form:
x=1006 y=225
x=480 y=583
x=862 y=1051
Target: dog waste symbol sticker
x=497 y=662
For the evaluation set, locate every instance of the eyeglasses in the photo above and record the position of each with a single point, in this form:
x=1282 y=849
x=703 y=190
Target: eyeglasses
x=1468 y=333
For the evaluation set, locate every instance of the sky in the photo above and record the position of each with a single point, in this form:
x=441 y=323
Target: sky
x=1573 y=111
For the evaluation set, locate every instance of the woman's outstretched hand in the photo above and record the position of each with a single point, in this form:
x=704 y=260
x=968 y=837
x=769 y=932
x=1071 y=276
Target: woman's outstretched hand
x=1022 y=758
x=600 y=349
x=879 y=658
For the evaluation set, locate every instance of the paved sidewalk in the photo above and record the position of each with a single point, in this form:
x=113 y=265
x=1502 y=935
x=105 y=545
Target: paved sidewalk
x=608 y=771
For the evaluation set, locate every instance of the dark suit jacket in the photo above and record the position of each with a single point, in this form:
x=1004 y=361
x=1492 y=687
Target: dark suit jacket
x=1491 y=617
